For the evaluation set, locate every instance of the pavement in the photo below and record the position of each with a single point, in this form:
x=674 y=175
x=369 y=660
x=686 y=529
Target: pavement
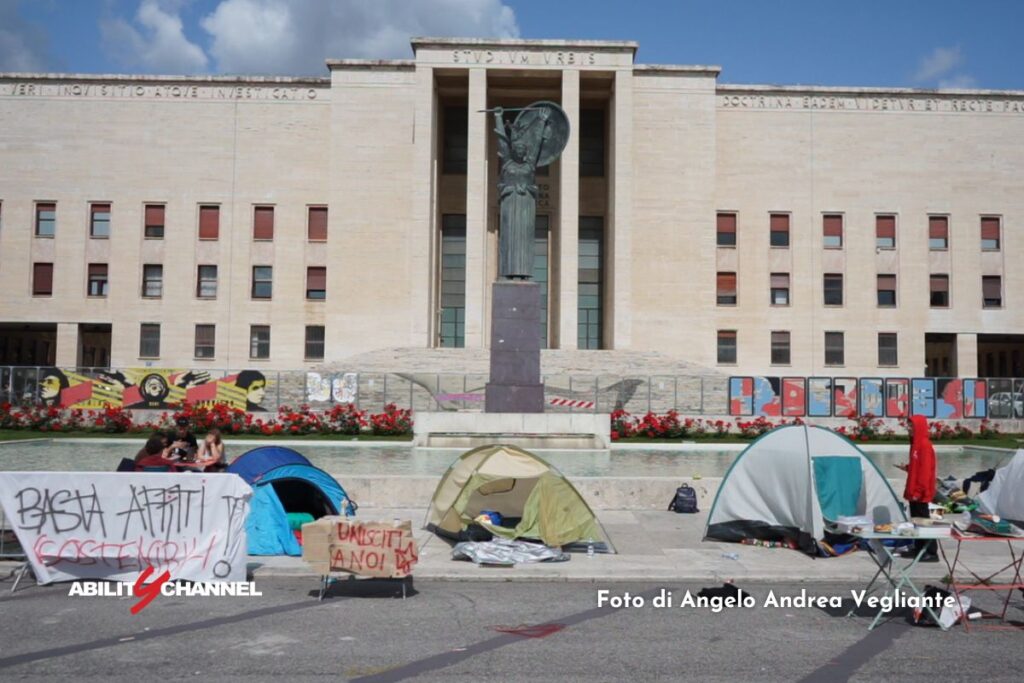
x=483 y=631
x=652 y=545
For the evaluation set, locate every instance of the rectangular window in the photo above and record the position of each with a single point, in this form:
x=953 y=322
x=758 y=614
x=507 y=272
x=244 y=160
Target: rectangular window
x=886 y=291
x=990 y=233
x=206 y=282
x=152 y=280
x=726 y=289
x=590 y=295
x=262 y=282
x=887 y=351
x=314 y=342
x=992 y=291
x=540 y=273
x=834 y=348
x=939 y=285
x=592 y=143
x=316 y=227
x=149 y=340
x=99 y=220
x=727 y=347
x=206 y=341
x=885 y=231
x=780 y=348
x=263 y=223
x=42 y=279
x=725 y=230
x=780 y=289
x=778 y=227
x=938 y=232
x=832 y=226
x=456 y=139
x=154 y=228
x=97 y=279
x=453 y=281
x=46 y=220
x=209 y=222
x=316 y=282
x=259 y=341
x=833 y=289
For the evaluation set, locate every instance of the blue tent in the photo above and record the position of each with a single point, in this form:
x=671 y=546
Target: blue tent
x=284 y=482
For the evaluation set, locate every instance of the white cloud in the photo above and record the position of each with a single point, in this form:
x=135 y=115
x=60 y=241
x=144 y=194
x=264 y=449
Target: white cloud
x=943 y=67
x=156 y=41
x=282 y=37
x=23 y=45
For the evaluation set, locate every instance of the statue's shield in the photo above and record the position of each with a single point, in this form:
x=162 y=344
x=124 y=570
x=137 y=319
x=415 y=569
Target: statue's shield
x=546 y=128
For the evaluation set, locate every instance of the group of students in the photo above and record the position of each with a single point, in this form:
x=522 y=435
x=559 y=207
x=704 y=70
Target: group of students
x=178 y=451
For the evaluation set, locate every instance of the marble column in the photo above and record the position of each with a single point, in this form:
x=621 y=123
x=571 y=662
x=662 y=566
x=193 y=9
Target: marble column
x=565 y=336
x=477 y=288
x=967 y=355
x=423 y=256
x=620 y=224
x=66 y=355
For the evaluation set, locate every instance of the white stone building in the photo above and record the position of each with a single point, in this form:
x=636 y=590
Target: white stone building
x=286 y=222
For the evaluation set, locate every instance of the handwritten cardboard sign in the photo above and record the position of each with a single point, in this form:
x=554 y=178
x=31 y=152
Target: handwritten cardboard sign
x=112 y=525
x=377 y=549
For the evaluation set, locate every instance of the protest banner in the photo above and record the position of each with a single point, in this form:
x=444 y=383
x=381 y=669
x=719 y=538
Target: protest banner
x=112 y=525
x=374 y=549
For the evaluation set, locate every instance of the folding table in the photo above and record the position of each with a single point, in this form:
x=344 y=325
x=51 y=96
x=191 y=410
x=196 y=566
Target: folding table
x=896 y=570
x=984 y=582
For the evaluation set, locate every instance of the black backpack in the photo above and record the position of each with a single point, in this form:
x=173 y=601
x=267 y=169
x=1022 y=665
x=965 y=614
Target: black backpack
x=685 y=500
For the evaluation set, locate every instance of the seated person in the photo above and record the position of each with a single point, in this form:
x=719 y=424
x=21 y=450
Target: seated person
x=183 y=443
x=155 y=456
x=159 y=436
x=211 y=452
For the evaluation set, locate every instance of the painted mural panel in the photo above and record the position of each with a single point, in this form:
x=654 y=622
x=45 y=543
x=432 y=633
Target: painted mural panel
x=819 y=397
x=767 y=400
x=897 y=397
x=922 y=397
x=794 y=396
x=949 y=398
x=1003 y=401
x=871 y=396
x=975 y=398
x=741 y=396
x=150 y=389
x=844 y=390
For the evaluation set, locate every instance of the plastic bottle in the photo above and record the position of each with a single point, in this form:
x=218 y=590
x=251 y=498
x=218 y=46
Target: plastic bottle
x=590 y=548
x=731 y=556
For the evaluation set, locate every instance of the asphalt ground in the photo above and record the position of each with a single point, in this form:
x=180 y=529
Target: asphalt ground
x=444 y=630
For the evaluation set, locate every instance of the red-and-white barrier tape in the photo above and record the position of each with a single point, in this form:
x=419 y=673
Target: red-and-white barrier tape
x=569 y=403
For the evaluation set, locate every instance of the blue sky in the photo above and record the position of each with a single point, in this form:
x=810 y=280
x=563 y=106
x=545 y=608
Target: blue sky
x=906 y=43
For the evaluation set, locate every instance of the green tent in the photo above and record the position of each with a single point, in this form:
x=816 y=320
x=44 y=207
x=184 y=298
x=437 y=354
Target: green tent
x=520 y=486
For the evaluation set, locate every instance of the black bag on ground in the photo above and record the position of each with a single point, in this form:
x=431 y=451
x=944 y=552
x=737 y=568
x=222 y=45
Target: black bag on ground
x=685 y=500
x=919 y=616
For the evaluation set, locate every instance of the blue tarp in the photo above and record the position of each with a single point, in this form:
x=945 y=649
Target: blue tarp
x=251 y=465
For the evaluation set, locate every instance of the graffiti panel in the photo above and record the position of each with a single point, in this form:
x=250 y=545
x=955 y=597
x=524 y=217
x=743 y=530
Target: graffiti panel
x=949 y=398
x=922 y=397
x=897 y=397
x=149 y=388
x=794 y=396
x=844 y=389
x=975 y=398
x=741 y=396
x=871 y=397
x=767 y=401
x=819 y=397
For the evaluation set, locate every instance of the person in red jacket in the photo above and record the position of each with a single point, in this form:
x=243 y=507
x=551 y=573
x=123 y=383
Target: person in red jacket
x=920 y=488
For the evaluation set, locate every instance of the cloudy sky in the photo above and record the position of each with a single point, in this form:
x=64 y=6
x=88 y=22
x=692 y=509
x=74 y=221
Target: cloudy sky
x=909 y=43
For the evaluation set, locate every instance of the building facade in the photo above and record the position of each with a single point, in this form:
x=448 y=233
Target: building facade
x=287 y=222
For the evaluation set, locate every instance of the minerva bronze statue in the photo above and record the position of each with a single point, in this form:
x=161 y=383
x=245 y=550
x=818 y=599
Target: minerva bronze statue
x=535 y=138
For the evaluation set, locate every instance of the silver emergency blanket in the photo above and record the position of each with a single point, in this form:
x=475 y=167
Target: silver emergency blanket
x=502 y=551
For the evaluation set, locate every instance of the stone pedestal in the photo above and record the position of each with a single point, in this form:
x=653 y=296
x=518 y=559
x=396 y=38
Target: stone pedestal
x=515 y=385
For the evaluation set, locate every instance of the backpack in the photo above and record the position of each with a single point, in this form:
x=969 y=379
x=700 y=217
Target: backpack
x=685 y=500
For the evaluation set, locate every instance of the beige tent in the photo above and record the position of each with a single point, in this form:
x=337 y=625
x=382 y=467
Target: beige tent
x=520 y=486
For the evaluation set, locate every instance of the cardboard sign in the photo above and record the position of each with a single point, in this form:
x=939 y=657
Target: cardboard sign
x=112 y=525
x=377 y=549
